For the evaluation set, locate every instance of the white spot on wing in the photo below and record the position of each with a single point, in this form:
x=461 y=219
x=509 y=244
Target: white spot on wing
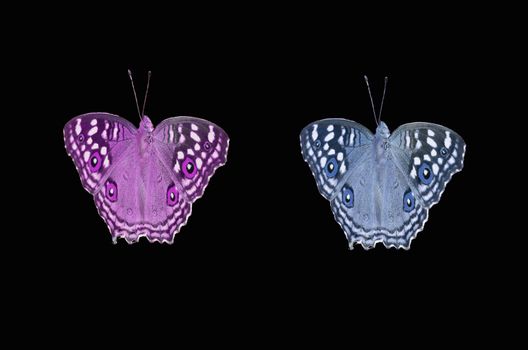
x=180 y=155
x=340 y=156
x=323 y=161
x=431 y=142
x=106 y=162
x=195 y=136
x=413 y=173
x=326 y=147
x=329 y=137
x=430 y=133
x=447 y=141
x=103 y=135
x=199 y=163
x=190 y=152
x=433 y=153
x=314 y=132
x=194 y=127
x=211 y=134
x=426 y=157
x=95 y=146
x=177 y=166
x=351 y=139
x=89 y=141
x=417 y=161
x=78 y=128
x=196 y=146
x=418 y=144
x=86 y=156
x=435 y=168
x=342 y=168
x=407 y=140
x=182 y=138
x=92 y=131
x=171 y=134
x=103 y=151
x=93 y=122
x=330 y=128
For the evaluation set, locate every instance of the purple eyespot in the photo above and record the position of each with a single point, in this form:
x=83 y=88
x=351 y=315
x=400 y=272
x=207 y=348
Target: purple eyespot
x=189 y=168
x=94 y=162
x=111 y=190
x=81 y=138
x=207 y=146
x=172 y=195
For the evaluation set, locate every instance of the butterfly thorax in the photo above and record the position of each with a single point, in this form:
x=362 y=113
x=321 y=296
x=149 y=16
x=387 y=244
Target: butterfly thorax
x=383 y=130
x=381 y=144
x=145 y=136
x=146 y=124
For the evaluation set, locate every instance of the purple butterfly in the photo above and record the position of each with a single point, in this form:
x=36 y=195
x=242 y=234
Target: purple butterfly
x=145 y=180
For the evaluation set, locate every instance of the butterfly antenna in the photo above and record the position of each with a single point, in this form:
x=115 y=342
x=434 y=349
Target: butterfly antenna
x=371 y=101
x=146 y=93
x=135 y=96
x=383 y=98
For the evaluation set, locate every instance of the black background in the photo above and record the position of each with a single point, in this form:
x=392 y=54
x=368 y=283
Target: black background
x=262 y=236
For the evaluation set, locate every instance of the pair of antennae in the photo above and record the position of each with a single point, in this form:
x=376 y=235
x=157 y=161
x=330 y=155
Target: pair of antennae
x=142 y=113
x=378 y=118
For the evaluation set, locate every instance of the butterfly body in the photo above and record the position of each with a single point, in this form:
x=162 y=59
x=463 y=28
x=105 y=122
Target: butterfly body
x=381 y=186
x=145 y=180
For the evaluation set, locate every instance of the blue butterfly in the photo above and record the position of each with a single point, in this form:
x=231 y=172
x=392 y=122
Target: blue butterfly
x=381 y=186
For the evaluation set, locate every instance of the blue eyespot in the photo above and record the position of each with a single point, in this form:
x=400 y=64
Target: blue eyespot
x=331 y=167
x=444 y=152
x=408 y=201
x=425 y=173
x=348 y=197
x=317 y=143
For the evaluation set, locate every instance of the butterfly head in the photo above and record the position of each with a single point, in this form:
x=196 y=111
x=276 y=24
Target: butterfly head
x=146 y=124
x=382 y=130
